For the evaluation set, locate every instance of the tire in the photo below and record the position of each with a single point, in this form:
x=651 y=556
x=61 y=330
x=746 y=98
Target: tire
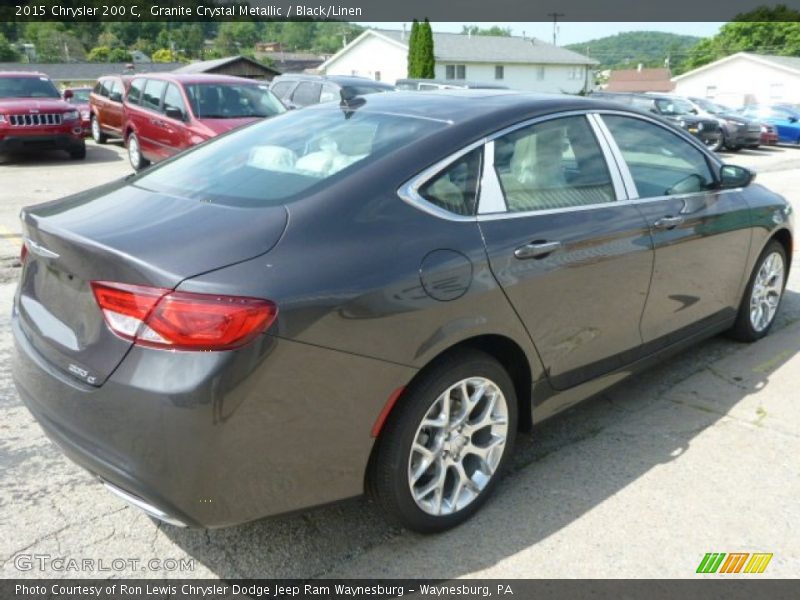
x=716 y=146
x=397 y=465
x=97 y=134
x=138 y=162
x=763 y=293
x=733 y=148
x=78 y=153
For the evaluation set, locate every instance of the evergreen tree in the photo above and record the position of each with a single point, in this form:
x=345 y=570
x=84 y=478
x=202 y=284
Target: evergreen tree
x=427 y=62
x=413 y=50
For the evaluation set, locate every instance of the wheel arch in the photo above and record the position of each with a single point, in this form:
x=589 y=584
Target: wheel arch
x=784 y=237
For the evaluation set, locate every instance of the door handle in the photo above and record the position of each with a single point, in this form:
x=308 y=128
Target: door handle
x=158 y=122
x=668 y=222
x=536 y=249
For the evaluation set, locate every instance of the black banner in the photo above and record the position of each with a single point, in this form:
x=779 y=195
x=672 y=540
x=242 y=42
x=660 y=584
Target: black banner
x=385 y=10
x=709 y=588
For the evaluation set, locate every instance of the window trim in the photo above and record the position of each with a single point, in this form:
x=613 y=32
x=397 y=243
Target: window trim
x=617 y=167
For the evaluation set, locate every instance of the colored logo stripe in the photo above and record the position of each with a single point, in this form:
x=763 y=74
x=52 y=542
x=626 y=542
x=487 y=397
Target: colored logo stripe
x=713 y=562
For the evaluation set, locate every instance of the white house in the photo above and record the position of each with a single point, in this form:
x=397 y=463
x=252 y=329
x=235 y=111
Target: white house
x=515 y=62
x=744 y=78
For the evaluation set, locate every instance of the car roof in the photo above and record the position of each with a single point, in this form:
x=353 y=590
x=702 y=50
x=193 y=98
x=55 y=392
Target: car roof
x=464 y=106
x=338 y=79
x=198 y=78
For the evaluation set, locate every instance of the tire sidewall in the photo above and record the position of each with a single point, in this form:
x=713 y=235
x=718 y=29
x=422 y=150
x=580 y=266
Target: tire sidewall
x=744 y=310
x=401 y=432
x=138 y=165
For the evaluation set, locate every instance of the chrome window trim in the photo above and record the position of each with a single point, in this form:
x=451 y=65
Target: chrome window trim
x=608 y=147
x=616 y=154
x=409 y=191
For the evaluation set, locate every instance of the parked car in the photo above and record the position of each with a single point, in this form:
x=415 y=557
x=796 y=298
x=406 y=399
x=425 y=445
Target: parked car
x=769 y=135
x=784 y=119
x=106 y=111
x=673 y=109
x=444 y=84
x=382 y=293
x=167 y=113
x=34 y=117
x=737 y=131
x=297 y=91
x=79 y=98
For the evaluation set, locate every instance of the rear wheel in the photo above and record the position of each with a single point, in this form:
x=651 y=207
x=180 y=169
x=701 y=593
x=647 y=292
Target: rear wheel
x=443 y=451
x=763 y=295
x=138 y=161
x=97 y=134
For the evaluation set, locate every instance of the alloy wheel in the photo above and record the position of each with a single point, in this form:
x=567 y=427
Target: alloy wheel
x=133 y=152
x=767 y=291
x=95 y=130
x=458 y=446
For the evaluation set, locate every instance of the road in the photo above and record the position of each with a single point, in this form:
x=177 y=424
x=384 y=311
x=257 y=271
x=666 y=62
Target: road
x=698 y=455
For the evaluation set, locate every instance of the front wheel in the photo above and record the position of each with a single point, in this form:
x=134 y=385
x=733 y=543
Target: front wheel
x=137 y=160
x=715 y=145
x=445 y=447
x=763 y=295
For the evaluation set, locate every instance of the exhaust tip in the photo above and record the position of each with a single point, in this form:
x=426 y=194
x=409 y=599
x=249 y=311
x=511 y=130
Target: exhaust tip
x=142 y=505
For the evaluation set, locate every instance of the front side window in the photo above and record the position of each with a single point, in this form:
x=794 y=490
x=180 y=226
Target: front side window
x=135 y=91
x=173 y=100
x=553 y=164
x=455 y=189
x=151 y=96
x=661 y=162
x=306 y=93
x=283 y=159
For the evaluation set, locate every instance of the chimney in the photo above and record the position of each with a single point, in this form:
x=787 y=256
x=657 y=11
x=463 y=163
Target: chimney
x=639 y=67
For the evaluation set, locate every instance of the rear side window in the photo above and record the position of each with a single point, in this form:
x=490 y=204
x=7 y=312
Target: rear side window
x=284 y=158
x=306 y=93
x=661 y=163
x=330 y=93
x=455 y=189
x=135 y=91
x=151 y=97
x=553 y=164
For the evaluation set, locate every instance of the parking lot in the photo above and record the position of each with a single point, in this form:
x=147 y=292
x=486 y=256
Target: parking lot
x=698 y=455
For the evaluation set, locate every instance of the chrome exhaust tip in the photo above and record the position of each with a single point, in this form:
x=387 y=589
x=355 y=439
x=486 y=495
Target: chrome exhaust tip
x=142 y=505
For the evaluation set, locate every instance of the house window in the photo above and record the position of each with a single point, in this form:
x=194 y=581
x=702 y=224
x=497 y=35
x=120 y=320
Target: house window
x=377 y=75
x=540 y=73
x=575 y=73
x=455 y=72
x=499 y=72
x=711 y=91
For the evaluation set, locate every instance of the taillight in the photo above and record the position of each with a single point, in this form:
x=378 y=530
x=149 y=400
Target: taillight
x=23 y=253
x=162 y=318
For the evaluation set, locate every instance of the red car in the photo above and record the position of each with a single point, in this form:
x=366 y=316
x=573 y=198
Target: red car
x=79 y=98
x=34 y=117
x=167 y=113
x=769 y=137
x=107 y=113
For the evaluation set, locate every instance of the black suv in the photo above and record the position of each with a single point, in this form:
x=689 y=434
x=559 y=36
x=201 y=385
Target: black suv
x=297 y=91
x=675 y=109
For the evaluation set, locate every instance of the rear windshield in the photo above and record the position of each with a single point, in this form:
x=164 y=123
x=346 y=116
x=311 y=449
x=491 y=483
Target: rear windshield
x=232 y=101
x=27 y=87
x=278 y=160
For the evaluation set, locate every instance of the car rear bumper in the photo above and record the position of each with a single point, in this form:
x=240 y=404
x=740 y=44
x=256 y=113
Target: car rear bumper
x=769 y=139
x=42 y=141
x=743 y=137
x=215 y=439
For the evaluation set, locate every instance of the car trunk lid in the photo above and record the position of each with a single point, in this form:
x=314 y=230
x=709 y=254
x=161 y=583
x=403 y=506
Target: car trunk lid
x=121 y=234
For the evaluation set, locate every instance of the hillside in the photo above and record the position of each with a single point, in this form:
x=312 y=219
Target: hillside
x=626 y=50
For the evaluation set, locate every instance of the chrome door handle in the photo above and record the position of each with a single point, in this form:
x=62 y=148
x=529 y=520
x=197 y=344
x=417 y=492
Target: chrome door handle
x=536 y=249
x=668 y=222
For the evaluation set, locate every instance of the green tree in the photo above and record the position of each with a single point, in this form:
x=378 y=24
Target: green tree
x=99 y=54
x=119 y=55
x=494 y=30
x=54 y=43
x=427 y=61
x=164 y=55
x=7 y=52
x=414 y=41
x=236 y=36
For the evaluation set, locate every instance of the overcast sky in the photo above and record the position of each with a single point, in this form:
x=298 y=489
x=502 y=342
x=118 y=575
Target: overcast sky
x=570 y=33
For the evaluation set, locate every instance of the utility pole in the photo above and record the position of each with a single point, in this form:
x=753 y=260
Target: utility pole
x=555 y=16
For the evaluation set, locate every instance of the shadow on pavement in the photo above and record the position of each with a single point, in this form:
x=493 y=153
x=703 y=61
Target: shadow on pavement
x=59 y=158
x=644 y=428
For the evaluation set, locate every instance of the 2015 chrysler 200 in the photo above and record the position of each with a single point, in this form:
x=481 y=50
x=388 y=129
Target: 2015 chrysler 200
x=378 y=294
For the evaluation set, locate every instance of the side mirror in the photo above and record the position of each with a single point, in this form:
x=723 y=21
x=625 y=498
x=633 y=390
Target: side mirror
x=174 y=113
x=734 y=176
x=68 y=94
x=694 y=111
x=115 y=97
x=792 y=119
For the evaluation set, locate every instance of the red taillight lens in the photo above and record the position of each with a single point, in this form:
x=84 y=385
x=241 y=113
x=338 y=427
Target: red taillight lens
x=162 y=318
x=23 y=253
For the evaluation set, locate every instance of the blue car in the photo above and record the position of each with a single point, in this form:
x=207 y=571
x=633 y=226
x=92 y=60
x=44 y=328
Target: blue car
x=785 y=119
